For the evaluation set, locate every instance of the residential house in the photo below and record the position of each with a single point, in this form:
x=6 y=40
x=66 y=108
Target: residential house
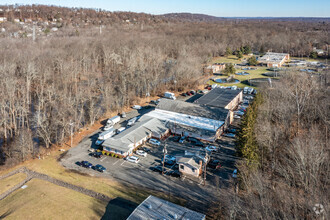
x=190 y=165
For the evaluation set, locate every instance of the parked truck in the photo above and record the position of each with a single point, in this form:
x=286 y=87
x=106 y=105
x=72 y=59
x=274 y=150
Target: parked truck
x=107 y=134
x=169 y=95
x=112 y=121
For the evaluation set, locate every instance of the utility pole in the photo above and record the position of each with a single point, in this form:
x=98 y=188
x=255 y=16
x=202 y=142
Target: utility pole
x=205 y=162
x=71 y=124
x=165 y=151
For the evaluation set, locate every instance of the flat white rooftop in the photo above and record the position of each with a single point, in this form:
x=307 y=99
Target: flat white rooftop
x=187 y=120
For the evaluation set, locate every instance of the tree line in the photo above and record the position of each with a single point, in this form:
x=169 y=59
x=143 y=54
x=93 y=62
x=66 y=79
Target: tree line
x=285 y=167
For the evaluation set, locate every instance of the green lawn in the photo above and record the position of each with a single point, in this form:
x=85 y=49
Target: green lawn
x=230 y=59
x=44 y=200
x=40 y=193
x=10 y=182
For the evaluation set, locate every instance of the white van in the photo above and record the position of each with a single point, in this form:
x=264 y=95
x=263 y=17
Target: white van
x=121 y=129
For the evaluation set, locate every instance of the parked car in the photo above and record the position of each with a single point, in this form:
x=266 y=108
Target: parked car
x=231 y=135
x=182 y=139
x=158 y=169
x=119 y=130
x=96 y=154
x=123 y=115
x=211 y=148
x=99 y=168
x=237 y=116
x=86 y=164
x=176 y=138
x=133 y=159
x=170 y=157
x=168 y=162
x=214 y=164
x=184 y=94
x=240 y=113
x=192 y=92
x=174 y=173
x=146 y=149
x=98 y=142
x=155 y=102
x=132 y=121
x=141 y=153
x=232 y=130
x=154 y=142
x=195 y=141
x=136 y=107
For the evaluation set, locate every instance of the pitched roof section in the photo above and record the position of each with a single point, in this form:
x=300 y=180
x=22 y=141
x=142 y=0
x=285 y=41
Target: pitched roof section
x=219 y=114
x=156 y=208
x=137 y=132
x=218 y=97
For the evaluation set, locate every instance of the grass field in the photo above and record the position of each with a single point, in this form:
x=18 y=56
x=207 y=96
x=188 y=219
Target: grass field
x=10 y=182
x=230 y=59
x=118 y=208
x=44 y=200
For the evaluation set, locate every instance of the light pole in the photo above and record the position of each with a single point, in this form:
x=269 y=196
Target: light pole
x=205 y=162
x=165 y=151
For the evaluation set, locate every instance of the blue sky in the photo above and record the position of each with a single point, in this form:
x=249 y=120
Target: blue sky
x=221 y=8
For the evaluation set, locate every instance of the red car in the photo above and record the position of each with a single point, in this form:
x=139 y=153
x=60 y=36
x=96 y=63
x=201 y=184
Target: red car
x=188 y=93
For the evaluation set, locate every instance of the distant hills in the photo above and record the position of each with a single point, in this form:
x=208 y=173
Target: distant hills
x=98 y=16
x=191 y=17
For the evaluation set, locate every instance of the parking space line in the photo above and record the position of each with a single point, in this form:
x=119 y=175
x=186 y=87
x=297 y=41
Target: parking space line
x=123 y=162
x=116 y=162
x=102 y=159
x=200 y=182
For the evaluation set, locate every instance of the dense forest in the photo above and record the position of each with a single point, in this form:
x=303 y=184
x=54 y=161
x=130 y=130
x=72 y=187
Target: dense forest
x=285 y=166
x=79 y=73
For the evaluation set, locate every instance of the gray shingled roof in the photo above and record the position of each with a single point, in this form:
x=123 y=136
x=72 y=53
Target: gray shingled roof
x=218 y=97
x=141 y=129
x=154 y=208
x=193 y=109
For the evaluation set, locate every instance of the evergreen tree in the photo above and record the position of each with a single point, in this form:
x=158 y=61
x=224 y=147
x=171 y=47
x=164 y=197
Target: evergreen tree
x=313 y=55
x=252 y=61
x=228 y=51
x=247 y=49
x=229 y=69
x=239 y=55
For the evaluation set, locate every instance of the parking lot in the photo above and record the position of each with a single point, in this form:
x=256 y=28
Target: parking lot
x=140 y=174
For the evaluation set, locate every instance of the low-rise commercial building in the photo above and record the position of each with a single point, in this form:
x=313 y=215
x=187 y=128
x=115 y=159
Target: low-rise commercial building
x=274 y=59
x=188 y=125
x=124 y=143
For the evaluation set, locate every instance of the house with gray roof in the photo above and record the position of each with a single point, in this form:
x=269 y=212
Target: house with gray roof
x=154 y=208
